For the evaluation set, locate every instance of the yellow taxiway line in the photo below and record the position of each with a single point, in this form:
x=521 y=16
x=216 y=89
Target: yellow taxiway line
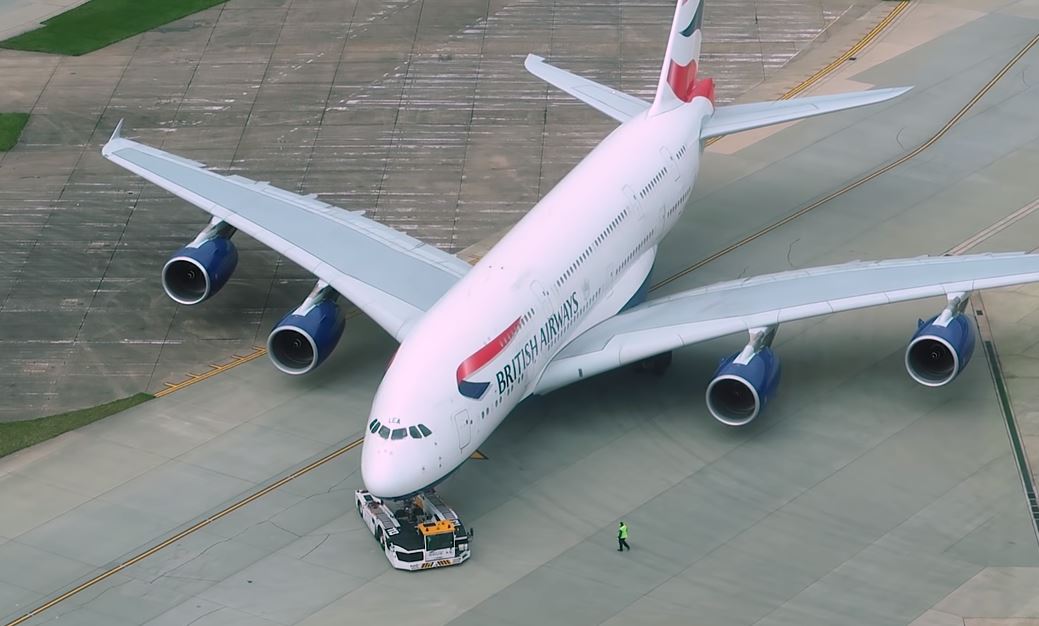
x=187 y=531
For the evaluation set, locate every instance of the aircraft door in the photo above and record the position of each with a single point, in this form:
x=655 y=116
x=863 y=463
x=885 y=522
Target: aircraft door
x=544 y=300
x=669 y=159
x=464 y=426
x=633 y=200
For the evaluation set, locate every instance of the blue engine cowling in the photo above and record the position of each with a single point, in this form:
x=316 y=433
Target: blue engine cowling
x=738 y=392
x=193 y=274
x=305 y=338
x=939 y=351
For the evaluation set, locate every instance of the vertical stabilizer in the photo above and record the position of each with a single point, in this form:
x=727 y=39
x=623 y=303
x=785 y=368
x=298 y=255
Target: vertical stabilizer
x=678 y=82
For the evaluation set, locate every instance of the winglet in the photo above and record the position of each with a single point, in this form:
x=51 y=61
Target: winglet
x=106 y=149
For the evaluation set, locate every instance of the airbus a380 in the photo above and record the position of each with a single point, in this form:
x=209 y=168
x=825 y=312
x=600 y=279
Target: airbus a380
x=563 y=295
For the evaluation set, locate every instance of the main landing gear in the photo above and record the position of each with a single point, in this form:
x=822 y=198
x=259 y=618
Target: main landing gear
x=656 y=364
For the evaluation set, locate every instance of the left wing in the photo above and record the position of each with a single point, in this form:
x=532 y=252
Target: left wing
x=390 y=276
x=722 y=309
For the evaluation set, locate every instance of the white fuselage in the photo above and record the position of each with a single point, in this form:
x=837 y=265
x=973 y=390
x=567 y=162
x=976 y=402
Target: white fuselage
x=577 y=258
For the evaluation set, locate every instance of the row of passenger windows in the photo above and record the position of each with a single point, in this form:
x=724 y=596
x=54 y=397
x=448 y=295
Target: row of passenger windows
x=417 y=432
x=634 y=254
x=612 y=226
x=659 y=176
x=681 y=203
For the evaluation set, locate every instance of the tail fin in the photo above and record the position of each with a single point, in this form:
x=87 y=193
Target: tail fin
x=678 y=82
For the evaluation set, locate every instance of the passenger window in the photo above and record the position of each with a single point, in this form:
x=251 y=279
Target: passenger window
x=398 y=433
x=415 y=434
x=384 y=432
x=425 y=431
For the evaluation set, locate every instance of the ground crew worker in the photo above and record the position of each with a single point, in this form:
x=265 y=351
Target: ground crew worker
x=622 y=537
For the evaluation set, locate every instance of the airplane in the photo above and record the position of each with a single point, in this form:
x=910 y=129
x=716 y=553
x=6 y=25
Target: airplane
x=563 y=295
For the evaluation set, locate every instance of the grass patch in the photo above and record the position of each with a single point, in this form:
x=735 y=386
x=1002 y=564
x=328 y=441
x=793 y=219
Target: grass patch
x=17 y=435
x=11 y=125
x=99 y=23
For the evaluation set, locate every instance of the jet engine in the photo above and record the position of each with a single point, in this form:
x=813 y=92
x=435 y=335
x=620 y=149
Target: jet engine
x=744 y=381
x=201 y=268
x=942 y=346
x=304 y=338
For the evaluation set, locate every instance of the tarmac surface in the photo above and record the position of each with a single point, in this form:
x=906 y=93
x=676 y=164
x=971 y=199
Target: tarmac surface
x=859 y=498
x=22 y=15
x=420 y=113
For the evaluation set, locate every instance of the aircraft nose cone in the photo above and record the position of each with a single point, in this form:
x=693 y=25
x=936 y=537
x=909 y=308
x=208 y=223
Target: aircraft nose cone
x=383 y=476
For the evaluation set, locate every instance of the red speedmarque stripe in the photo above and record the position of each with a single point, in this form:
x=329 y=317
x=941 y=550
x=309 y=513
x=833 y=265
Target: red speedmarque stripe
x=485 y=354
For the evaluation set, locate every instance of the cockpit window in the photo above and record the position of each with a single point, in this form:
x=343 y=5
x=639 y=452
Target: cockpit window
x=399 y=433
x=425 y=431
x=415 y=434
x=384 y=432
x=374 y=426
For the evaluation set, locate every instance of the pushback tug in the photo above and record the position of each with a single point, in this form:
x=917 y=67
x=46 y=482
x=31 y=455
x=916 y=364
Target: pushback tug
x=417 y=533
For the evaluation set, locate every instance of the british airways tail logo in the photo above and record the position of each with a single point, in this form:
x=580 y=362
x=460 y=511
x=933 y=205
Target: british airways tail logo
x=479 y=359
x=681 y=77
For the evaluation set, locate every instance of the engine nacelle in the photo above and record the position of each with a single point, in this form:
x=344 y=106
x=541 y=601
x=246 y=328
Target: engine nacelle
x=304 y=338
x=201 y=268
x=940 y=348
x=742 y=385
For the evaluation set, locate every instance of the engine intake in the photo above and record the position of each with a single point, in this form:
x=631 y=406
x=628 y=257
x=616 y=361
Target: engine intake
x=940 y=348
x=304 y=338
x=742 y=385
x=201 y=268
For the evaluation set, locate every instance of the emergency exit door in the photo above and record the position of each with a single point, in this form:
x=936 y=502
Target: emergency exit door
x=464 y=426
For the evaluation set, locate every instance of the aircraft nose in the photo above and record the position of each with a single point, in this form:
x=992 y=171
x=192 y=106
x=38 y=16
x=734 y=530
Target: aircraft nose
x=382 y=471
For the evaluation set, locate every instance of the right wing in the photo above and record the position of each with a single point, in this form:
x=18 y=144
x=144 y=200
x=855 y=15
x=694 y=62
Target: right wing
x=689 y=317
x=739 y=117
x=390 y=276
x=617 y=104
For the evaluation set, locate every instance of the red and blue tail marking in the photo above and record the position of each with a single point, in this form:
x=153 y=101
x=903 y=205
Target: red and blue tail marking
x=682 y=77
x=480 y=358
x=678 y=82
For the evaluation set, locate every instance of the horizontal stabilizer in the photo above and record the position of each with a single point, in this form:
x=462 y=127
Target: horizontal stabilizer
x=618 y=105
x=739 y=117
